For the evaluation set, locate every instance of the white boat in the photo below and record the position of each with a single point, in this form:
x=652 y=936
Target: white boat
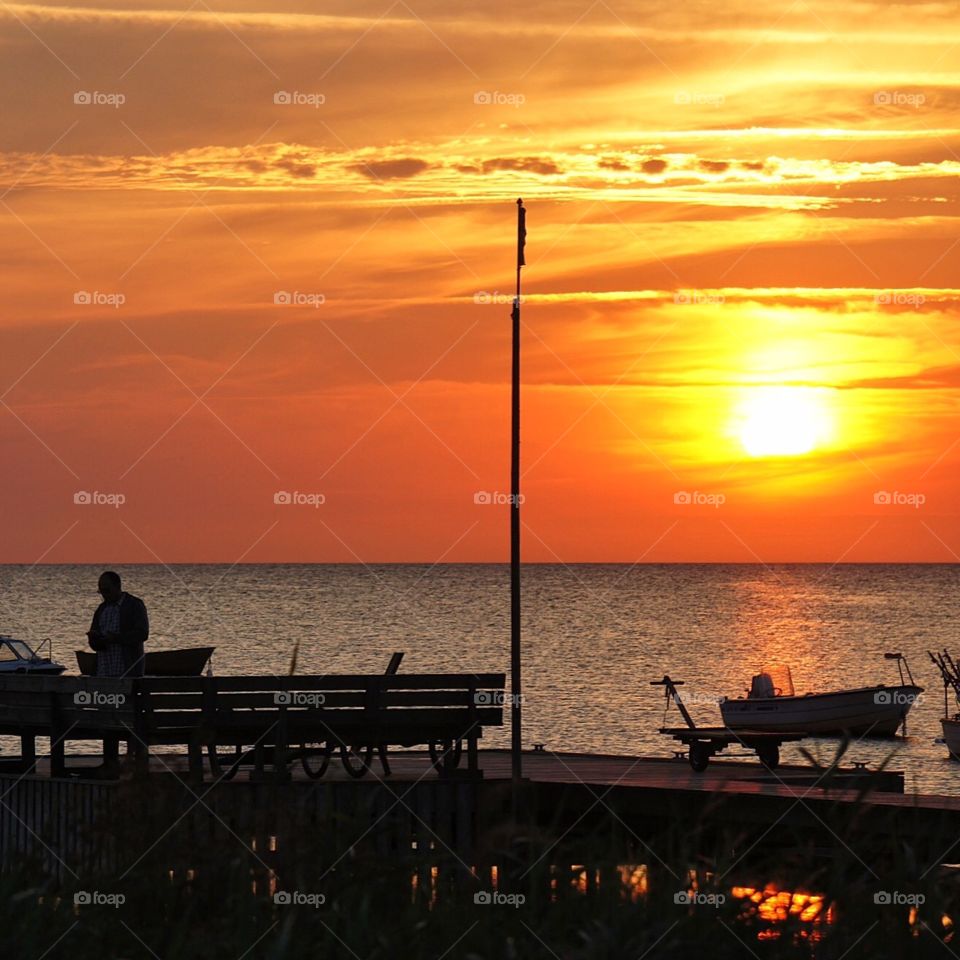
x=772 y=705
x=951 y=680
x=951 y=735
x=17 y=656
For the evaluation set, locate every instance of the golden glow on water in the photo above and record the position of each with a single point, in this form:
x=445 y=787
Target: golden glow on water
x=634 y=881
x=580 y=878
x=776 y=906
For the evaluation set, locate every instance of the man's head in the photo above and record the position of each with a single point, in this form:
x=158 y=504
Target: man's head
x=108 y=586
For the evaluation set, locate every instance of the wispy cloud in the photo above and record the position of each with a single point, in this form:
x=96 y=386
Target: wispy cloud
x=421 y=172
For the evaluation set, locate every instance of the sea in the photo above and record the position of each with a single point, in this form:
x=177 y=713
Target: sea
x=594 y=636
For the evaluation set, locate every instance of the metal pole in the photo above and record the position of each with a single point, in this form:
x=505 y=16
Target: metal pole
x=516 y=752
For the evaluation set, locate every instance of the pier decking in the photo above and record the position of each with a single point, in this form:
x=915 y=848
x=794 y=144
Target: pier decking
x=655 y=773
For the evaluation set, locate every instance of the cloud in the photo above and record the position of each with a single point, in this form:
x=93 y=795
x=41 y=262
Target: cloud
x=612 y=163
x=400 y=168
x=527 y=164
x=439 y=173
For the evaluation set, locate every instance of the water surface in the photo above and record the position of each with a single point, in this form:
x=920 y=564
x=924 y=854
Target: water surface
x=595 y=635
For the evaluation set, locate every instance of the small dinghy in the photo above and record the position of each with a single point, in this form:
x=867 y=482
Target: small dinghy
x=17 y=656
x=772 y=704
x=189 y=662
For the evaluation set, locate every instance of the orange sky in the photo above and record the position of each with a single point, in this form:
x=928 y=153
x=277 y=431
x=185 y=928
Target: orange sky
x=741 y=336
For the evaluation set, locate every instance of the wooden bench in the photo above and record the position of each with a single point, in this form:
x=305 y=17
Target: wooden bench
x=260 y=721
x=276 y=720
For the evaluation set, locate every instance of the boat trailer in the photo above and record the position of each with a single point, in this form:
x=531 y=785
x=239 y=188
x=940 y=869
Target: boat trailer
x=704 y=742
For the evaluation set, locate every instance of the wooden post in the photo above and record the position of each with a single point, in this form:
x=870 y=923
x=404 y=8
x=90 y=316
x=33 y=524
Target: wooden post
x=142 y=717
x=195 y=757
x=58 y=765
x=280 y=772
x=473 y=767
x=516 y=713
x=28 y=752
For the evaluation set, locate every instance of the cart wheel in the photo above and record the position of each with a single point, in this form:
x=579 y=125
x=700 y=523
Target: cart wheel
x=769 y=755
x=445 y=754
x=356 y=760
x=224 y=766
x=315 y=762
x=699 y=756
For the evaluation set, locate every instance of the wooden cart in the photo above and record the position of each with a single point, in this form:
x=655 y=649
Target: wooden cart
x=704 y=742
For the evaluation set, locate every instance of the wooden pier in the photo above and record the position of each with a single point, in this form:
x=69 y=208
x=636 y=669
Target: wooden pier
x=289 y=772
x=77 y=825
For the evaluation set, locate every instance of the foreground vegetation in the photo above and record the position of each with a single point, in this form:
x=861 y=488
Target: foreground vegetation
x=805 y=905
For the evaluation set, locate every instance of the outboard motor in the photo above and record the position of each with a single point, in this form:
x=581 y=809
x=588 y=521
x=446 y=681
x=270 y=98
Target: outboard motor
x=761 y=687
x=773 y=681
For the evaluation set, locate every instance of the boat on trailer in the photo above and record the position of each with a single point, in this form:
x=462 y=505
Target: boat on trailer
x=17 y=656
x=772 y=704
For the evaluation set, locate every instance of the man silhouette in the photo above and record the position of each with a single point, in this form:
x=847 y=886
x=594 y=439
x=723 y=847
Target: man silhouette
x=119 y=629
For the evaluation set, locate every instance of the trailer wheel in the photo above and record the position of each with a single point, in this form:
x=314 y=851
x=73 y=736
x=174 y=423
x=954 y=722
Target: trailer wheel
x=769 y=755
x=699 y=756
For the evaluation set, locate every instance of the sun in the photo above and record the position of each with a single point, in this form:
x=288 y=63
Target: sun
x=783 y=421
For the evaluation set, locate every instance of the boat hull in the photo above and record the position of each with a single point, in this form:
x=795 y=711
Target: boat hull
x=951 y=736
x=43 y=667
x=869 y=711
x=189 y=662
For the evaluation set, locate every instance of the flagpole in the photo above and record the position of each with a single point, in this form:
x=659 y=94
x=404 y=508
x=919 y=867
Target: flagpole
x=516 y=752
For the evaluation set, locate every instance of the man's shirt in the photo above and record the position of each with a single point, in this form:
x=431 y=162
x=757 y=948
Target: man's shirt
x=110 y=662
